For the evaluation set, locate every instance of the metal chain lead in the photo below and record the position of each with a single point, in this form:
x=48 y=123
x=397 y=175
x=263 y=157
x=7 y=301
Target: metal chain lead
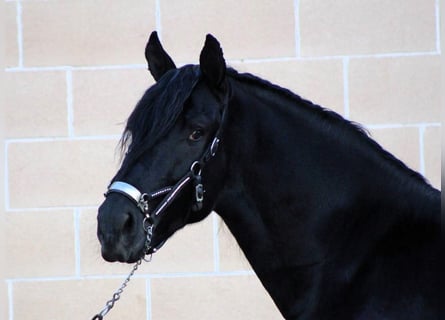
x=117 y=295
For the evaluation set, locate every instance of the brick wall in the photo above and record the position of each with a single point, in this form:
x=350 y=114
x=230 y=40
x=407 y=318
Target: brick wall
x=73 y=71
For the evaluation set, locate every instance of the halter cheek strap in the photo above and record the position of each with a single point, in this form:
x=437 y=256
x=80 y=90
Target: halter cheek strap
x=142 y=199
x=132 y=193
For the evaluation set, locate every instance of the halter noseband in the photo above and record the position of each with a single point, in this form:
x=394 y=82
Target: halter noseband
x=170 y=193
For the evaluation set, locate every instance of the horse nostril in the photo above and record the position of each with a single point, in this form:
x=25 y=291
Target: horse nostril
x=128 y=224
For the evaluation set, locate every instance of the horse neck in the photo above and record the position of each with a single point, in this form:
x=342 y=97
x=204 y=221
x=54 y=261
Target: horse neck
x=292 y=195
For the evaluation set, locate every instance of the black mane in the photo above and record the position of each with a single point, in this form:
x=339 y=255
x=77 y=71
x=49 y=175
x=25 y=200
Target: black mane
x=323 y=116
x=162 y=104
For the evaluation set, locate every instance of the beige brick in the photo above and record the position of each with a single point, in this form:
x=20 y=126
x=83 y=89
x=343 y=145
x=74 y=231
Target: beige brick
x=231 y=257
x=35 y=104
x=189 y=250
x=59 y=173
x=305 y=78
x=9 y=34
x=77 y=299
x=235 y=297
x=39 y=244
x=104 y=99
x=432 y=149
x=86 y=32
x=395 y=90
x=403 y=143
x=246 y=29
x=366 y=27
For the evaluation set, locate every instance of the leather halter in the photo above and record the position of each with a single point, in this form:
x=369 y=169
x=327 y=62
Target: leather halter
x=170 y=193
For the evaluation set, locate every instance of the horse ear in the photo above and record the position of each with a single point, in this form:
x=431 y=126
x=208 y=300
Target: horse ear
x=159 y=62
x=212 y=63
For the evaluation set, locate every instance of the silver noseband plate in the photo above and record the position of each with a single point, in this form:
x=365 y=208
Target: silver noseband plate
x=125 y=189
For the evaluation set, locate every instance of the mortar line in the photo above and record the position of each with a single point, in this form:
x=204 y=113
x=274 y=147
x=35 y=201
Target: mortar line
x=76 y=68
x=148 y=299
x=235 y=273
x=437 y=16
x=297 y=28
x=338 y=57
x=216 y=252
x=258 y=60
x=76 y=220
x=346 y=106
x=69 y=102
x=6 y=173
x=40 y=209
x=158 y=19
x=401 y=125
x=10 y=300
x=19 y=22
x=63 y=139
x=388 y=55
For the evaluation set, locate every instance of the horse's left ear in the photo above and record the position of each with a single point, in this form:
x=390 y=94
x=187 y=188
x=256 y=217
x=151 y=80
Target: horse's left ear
x=212 y=63
x=159 y=62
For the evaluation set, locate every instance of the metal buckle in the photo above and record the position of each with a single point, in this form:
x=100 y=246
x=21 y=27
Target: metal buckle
x=143 y=202
x=199 y=192
x=214 y=146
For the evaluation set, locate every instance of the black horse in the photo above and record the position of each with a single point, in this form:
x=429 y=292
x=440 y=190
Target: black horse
x=334 y=226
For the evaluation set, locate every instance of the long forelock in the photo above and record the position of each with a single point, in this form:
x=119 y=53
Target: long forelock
x=158 y=110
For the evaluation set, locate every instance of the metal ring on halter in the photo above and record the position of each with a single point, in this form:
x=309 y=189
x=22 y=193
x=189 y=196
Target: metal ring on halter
x=196 y=168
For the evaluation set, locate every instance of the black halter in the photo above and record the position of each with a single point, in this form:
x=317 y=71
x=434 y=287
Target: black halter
x=170 y=193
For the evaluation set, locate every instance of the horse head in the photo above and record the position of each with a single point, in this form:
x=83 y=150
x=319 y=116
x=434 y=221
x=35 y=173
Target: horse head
x=171 y=167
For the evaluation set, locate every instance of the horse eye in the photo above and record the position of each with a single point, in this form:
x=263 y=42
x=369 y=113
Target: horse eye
x=196 y=135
